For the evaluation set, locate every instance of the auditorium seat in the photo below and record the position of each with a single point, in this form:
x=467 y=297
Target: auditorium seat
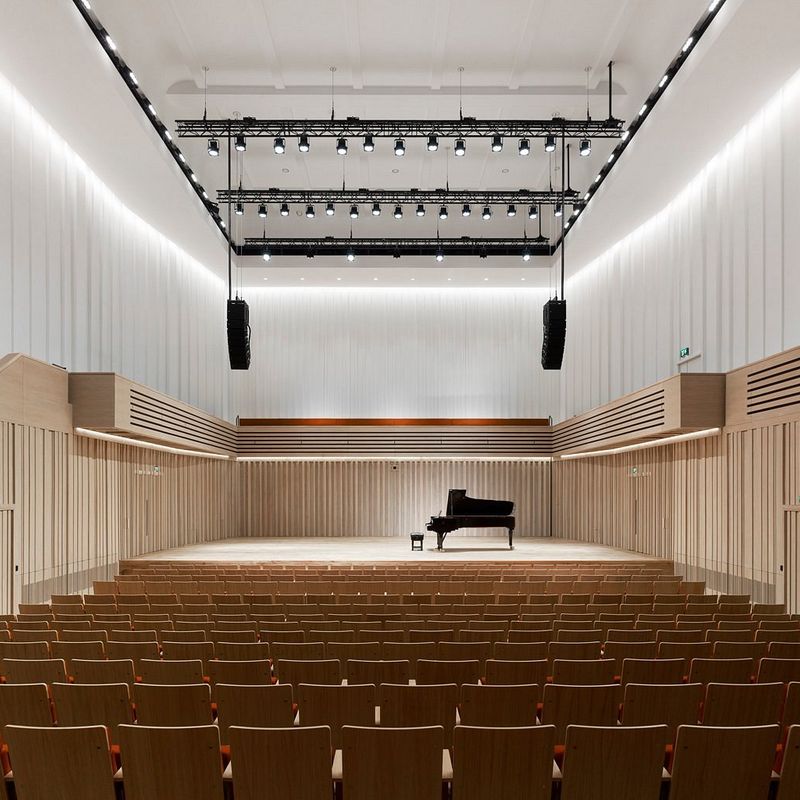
x=502 y=672
x=743 y=704
x=719 y=763
x=171 y=672
x=61 y=762
x=290 y=763
x=498 y=705
x=443 y=672
x=188 y=651
x=172 y=706
x=375 y=763
x=721 y=670
x=335 y=706
x=106 y=704
x=358 y=671
x=241 y=673
x=404 y=706
x=135 y=651
x=83 y=650
x=579 y=705
x=789 y=788
x=296 y=651
x=265 y=706
x=784 y=670
x=670 y=704
x=40 y=670
x=101 y=671
x=584 y=672
x=612 y=763
x=171 y=762
x=242 y=651
x=503 y=763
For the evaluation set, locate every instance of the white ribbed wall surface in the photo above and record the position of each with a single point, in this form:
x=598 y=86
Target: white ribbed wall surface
x=87 y=284
x=716 y=271
x=384 y=498
x=396 y=353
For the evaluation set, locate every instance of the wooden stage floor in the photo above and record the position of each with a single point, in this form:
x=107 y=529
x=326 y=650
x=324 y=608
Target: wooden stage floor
x=394 y=548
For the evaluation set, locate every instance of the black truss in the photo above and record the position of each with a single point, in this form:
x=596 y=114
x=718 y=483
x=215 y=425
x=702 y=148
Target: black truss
x=475 y=197
x=465 y=128
x=395 y=247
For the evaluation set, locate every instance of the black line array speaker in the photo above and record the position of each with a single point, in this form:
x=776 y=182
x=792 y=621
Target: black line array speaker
x=554 y=320
x=238 y=334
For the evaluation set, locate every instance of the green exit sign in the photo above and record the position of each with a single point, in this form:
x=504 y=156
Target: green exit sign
x=684 y=352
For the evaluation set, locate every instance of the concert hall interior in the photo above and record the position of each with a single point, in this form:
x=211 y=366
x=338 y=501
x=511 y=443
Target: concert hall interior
x=400 y=400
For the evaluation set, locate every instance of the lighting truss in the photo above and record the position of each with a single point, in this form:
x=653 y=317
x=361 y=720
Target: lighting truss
x=475 y=197
x=467 y=127
x=395 y=247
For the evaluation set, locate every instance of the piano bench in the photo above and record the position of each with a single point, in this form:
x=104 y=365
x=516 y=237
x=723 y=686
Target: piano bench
x=416 y=541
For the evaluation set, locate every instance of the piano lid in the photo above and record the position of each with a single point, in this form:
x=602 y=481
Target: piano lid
x=458 y=504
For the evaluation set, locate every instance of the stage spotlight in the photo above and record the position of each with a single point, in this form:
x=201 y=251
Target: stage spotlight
x=533 y=211
x=585 y=147
x=526 y=254
x=341 y=146
x=558 y=210
x=460 y=147
x=369 y=143
x=351 y=255
x=524 y=147
x=512 y=210
x=376 y=209
x=279 y=145
x=302 y=143
x=330 y=210
x=240 y=143
x=398 y=212
x=487 y=213
x=262 y=211
x=284 y=209
x=549 y=143
x=353 y=212
x=420 y=210
x=440 y=254
x=466 y=210
x=238 y=209
x=399 y=147
x=497 y=143
x=310 y=211
x=433 y=143
x=266 y=255
x=213 y=148
x=443 y=212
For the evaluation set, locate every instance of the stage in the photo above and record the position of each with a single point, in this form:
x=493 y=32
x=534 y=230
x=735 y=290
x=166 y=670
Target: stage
x=393 y=548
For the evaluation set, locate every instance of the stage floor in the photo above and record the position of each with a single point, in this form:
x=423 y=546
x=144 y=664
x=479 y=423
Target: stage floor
x=395 y=548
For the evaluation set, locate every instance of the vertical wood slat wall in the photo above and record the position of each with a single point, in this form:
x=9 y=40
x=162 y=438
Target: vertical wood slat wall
x=71 y=507
x=717 y=506
x=383 y=498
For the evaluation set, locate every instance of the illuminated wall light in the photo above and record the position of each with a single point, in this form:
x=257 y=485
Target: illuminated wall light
x=597 y=179
x=687 y=44
x=194 y=177
x=133 y=79
x=586 y=196
x=151 y=109
x=205 y=195
x=86 y=5
x=110 y=42
x=182 y=158
x=642 y=110
x=610 y=158
x=713 y=7
x=110 y=437
x=663 y=82
x=167 y=135
x=682 y=437
x=625 y=135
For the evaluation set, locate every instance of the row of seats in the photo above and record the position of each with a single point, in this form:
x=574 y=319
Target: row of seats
x=395 y=763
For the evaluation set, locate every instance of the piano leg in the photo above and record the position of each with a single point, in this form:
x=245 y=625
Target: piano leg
x=440 y=539
x=510 y=538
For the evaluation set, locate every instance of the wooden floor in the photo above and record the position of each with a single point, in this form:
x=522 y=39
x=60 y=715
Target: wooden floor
x=371 y=549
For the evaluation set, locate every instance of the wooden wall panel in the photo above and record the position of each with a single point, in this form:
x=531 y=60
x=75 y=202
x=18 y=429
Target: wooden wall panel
x=382 y=498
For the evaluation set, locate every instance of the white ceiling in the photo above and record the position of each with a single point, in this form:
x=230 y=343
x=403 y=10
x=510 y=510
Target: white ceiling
x=271 y=59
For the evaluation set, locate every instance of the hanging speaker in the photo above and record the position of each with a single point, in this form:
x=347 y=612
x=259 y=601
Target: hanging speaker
x=554 y=320
x=238 y=334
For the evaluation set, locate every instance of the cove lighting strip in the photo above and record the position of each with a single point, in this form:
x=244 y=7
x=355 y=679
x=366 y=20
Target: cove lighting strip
x=394 y=458
x=111 y=437
x=682 y=437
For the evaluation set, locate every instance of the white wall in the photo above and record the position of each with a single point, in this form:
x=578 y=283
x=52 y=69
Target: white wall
x=716 y=270
x=86 y=284
x=396 y=353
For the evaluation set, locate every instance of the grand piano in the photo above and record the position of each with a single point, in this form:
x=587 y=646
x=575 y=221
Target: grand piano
x=473 y=512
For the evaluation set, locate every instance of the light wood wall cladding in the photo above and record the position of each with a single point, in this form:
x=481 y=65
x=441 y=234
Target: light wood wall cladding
x=679 y=404
x=767 y=391
x=383 y=498
x=71 y=506
x=111 y=403
x=338 y=440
